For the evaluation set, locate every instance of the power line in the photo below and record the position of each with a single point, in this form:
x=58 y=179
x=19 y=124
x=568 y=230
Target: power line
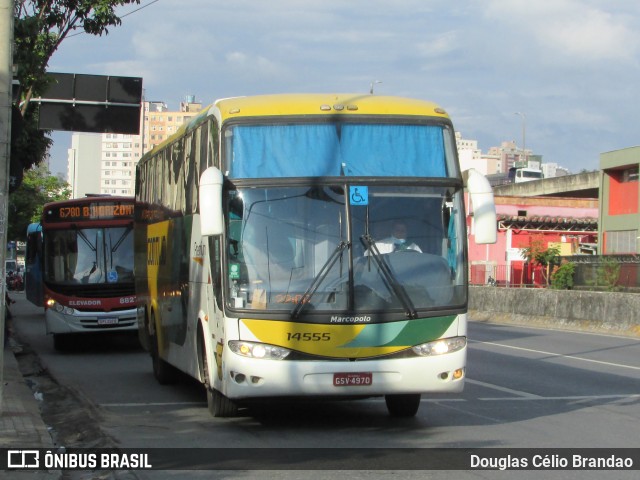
x=138 y=9
x=122 y=16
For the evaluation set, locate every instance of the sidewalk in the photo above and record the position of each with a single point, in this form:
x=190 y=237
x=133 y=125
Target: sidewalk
x=21 y=424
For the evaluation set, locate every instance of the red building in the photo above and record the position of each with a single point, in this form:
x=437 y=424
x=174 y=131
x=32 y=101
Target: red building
x=620 y=200
x=570 y=224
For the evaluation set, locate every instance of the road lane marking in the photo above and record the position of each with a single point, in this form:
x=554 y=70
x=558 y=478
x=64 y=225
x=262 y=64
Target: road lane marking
x=463 y=410
x=552 y=354
x=151 y=404
x=547 y=329
x=518 y=393
x=522 y=396
x=570 y=397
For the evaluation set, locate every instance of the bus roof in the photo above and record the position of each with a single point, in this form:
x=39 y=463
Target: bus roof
x=324 y=104
x=292 y=104
x=34 y=227
x=88 y=199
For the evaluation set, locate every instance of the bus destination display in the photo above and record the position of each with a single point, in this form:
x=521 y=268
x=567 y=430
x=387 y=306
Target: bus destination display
x=92 y=211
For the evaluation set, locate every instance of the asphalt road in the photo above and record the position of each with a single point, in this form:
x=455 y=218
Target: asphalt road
x=526 y=388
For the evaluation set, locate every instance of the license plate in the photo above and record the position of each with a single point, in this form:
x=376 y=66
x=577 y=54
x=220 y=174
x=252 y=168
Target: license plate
x=107 y=321
x=361 y=379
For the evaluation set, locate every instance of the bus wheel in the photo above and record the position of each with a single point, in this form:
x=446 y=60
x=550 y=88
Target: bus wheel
x=403 y=405
x=61 y=342
x=217 y=403
x=165 y=374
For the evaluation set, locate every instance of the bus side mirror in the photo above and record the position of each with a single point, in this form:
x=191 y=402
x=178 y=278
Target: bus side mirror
x=210 y=197
x=484 y=207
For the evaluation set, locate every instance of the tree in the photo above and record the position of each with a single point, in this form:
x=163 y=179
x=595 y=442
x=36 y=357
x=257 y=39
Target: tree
x=26 y=203
x=537 y=253
x=40 y=26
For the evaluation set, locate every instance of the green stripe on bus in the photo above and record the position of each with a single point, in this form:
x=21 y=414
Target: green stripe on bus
x=398 y=334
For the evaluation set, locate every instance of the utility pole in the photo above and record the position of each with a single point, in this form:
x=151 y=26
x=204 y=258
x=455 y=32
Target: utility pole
x=6 y=75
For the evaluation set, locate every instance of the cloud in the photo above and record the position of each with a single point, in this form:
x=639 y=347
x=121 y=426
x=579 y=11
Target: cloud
x=571 y=65
x=252 y=65
x=439 y=44
x=570 y=29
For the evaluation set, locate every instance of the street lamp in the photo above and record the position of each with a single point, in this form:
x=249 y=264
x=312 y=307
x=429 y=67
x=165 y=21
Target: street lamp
x=373 y=84
x=524 y=128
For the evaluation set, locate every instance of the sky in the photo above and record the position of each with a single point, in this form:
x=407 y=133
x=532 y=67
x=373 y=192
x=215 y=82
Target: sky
x=570 y=68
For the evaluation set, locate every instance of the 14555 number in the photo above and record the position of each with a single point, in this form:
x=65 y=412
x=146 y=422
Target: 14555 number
x=309 y=336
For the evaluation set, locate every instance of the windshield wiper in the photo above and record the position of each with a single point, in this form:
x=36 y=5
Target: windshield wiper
x=113 y=248
x=121 y=239
x=318 y=279
x=389 y=276
x=91 y=246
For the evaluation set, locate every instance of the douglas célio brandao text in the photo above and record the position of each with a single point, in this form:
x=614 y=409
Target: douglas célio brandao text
x=551 y=462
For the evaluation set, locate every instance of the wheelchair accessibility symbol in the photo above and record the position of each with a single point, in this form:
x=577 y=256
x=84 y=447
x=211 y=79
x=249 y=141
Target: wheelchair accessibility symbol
x=359 y=195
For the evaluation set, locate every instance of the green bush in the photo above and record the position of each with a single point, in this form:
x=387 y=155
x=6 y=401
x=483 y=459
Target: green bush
x=562 y=276
x=608 y=274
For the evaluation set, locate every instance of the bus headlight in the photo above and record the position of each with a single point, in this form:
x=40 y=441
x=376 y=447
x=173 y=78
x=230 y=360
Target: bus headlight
x=440 y=347
x=51 y=303
x=258 y=350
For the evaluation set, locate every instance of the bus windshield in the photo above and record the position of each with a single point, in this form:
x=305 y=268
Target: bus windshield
x=314 y=248
x=89 y=256
x=339 y=149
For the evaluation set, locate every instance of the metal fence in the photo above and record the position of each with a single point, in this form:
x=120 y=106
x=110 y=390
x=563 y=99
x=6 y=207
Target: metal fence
x=593 y=272
x=514 y=275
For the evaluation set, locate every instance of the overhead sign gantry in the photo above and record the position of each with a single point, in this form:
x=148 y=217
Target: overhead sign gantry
x=91 y=103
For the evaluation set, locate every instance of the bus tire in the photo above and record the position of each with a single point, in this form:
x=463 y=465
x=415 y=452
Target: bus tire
x=61 y=342
x=405 y=405
x=164 y=373
x=218 y=404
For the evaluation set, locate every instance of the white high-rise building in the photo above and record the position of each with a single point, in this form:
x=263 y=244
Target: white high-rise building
x=83 y=163
x=120 y=154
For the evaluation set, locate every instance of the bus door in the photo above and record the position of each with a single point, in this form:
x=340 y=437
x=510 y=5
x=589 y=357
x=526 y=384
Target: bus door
x=33 y=266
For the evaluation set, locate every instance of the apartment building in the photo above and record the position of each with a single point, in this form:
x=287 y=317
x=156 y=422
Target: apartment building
x=507 y=155
x=495 y=161
x=119 y=156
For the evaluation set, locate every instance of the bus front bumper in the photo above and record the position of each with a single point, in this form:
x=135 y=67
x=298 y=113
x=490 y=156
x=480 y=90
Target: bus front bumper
x=253 y=378
x=122 y=320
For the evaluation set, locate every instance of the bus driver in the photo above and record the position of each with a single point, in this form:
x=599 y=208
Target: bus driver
x=397 y=240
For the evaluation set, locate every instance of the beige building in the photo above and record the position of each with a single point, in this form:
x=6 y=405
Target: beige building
x=471 y=156
x=159 y=123
x=507 y=154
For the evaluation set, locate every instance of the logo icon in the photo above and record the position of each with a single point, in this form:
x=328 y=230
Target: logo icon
x=23 y=459
x=112 y=276
x=359 y=195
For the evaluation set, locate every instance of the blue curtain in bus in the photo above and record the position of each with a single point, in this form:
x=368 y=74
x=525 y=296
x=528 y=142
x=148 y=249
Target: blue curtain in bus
x=453 y=247
x=285 y=151
x=393 y=150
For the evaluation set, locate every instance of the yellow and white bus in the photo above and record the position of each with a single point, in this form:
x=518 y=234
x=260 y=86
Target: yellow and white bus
x=265 y=259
